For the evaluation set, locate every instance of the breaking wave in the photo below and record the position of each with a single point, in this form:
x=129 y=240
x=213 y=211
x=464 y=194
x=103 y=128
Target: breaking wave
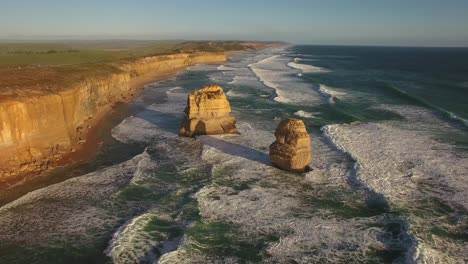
x=273 y=72
x=400 y=160
x=305 y=68
x=265 y=76
x=425 y=103
x=134 y=242
x=304 y=114
x=332 y=95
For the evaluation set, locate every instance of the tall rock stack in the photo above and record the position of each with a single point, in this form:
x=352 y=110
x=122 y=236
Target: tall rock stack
x=291 y=151
x=208 y=113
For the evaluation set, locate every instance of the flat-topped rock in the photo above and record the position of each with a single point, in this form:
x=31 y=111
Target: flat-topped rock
x=208 y=113
x=291 y=151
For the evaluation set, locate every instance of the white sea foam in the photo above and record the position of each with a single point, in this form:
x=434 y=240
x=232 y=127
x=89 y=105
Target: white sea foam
x=74 y=208
x=132 y=243
x=331 y=93
x=273 y=72
x=244 y=80
x=225 y=68
x=154 y=120
x=173 y=90
x=305 y=68
x=403 y=161
x=274 y=201
x=125 y=132
x=304 y=114
x=265 y=76
x=232 y=93
x=235 y=71
x=408 y=140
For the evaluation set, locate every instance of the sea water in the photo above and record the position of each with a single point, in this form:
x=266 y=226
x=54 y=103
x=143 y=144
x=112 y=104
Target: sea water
x=389 y=140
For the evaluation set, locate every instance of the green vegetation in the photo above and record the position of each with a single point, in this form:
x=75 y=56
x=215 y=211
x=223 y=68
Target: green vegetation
x=103 y=51
x=27 y=68
x=51 y=54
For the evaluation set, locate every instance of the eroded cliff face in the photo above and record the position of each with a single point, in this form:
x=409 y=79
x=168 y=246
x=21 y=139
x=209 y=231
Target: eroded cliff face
x=36 y=131
x=208 y=113
x=170 y=62
x=291 y=151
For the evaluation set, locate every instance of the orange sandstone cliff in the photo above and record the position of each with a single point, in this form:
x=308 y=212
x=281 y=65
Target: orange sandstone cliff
x=37 y=128
x=208 y=113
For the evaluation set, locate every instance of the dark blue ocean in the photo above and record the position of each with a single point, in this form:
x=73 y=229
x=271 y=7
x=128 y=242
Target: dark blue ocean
x=389 y=181
x=433 y=77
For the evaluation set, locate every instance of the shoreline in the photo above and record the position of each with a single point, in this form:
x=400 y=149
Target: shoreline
x=98 y=130
x=87 y=145
x=92 y=140
x=97 y=127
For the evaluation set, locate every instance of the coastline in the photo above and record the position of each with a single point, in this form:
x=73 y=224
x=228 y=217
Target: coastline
x=50 y=114
x=91 y=138
x=99 y=127
x=85 y=143
x=91 y=144
x=223 y=181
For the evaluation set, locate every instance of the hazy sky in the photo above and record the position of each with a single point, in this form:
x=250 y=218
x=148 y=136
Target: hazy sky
x=368 y=22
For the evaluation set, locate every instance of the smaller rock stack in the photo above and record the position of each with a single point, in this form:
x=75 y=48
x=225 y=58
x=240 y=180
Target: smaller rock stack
x=291 y=151
x=208 y=113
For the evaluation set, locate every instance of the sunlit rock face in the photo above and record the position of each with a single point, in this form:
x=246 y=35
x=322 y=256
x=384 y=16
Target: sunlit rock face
x=291 y=151
x=37 y=130
x=208 y=113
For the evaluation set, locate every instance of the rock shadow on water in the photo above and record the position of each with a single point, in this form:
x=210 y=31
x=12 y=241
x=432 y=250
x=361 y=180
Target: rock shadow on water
x=235 y=149
x=169 y=122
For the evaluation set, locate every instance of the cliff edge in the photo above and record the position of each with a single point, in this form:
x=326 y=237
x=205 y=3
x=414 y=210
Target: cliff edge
x=38 y=127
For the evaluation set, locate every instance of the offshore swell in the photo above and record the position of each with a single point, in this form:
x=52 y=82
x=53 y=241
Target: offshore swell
x=383 y=189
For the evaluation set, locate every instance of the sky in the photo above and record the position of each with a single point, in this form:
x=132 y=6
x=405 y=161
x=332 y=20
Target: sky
x=336 y=22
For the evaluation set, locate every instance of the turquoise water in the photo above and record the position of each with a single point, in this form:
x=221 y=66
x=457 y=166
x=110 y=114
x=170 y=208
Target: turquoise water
x=388 y=181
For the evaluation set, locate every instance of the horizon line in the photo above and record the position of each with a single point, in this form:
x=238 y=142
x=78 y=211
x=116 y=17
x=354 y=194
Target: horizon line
x=71 y=38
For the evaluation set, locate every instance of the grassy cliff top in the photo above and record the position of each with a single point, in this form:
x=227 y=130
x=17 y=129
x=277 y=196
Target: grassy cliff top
x=38 y=68
x=14 y=54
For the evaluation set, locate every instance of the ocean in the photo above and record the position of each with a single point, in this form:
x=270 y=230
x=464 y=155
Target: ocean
x=389 y=130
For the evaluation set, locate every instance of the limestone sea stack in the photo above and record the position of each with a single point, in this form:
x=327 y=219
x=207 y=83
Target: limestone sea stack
x=208 y=113
x=291 y=151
